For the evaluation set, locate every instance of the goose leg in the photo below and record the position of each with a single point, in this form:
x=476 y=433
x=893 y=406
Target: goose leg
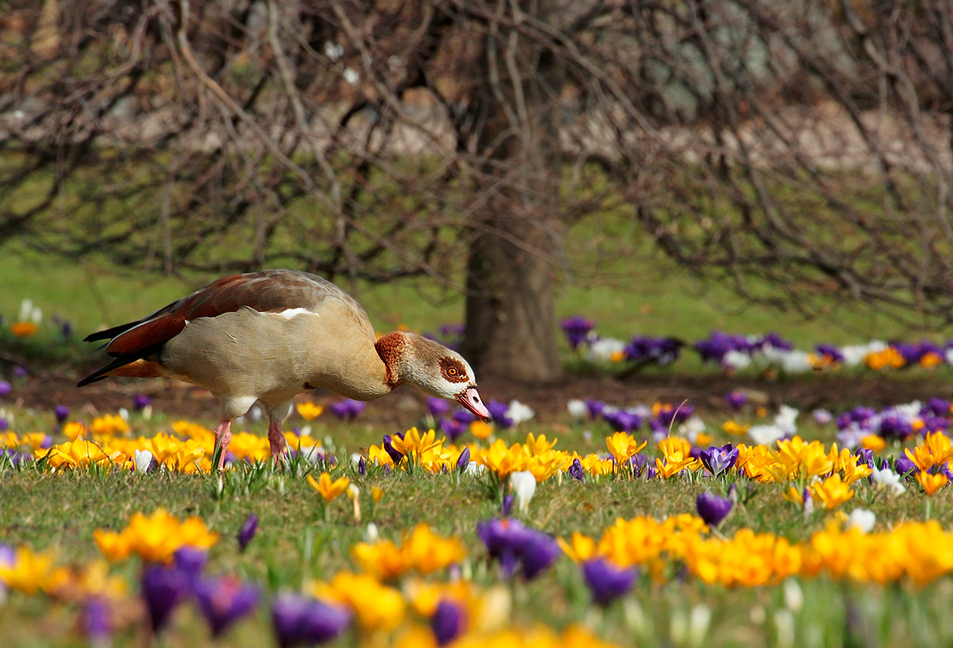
x=276 y=438
x=223 y=436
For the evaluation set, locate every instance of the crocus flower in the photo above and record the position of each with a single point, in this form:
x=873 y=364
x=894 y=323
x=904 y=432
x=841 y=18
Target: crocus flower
x=191 y=562
x=516 y=545
x=576 y=470
x=736 y=400
x=328 y=489
x=437 y=407
x=5 y=388
x=97 y=624
x=144 y=461
x=225 y=600
x=140 y=402
x=447 y=621
x=903 y=465
x=394 y=454
x=498 y=412
x=247 y=532
x=719 y=460
x=595 y=408
x=577 y=408
x=348 y=409
x=300 y=621
x=452 y=429
x=607 y=582
x=463 y=460
x=162 y=589
x=60 y=412
x=576 y=329
x=523 y=484
x=712 y=508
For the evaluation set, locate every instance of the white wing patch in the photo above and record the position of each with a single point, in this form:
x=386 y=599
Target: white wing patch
x=294 y=312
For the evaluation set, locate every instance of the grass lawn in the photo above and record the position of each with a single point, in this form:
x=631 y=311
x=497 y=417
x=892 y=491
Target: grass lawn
x=804 y=579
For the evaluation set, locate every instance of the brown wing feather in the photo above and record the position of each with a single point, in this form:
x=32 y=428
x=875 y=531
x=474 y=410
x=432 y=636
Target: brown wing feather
x=269 y=291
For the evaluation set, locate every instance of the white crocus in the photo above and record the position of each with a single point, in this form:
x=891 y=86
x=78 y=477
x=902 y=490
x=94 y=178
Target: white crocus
x=862 y=520
x=786 y=419
x=523 y=484
x=889 y=480
x=577 y=408
x=765 y=434
x=603 y=349
x=736 y=360
x=142 y=459
x=519 y=412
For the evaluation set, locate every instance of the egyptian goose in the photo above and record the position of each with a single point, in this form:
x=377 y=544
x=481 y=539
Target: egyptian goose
x=266 y=336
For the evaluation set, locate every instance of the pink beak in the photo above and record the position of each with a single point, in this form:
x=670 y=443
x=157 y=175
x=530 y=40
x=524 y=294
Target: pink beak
x=470 y=399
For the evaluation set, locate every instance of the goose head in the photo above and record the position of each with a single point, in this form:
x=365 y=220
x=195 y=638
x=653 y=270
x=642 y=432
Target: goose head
x=432 y=367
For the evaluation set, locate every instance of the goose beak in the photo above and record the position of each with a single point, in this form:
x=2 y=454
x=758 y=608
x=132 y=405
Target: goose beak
x=471 y=400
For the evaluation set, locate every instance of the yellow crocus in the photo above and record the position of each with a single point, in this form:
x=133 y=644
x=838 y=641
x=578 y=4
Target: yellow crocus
x=579 y=548
x=309 y=410
x=328 y=489
x=733 y=427
x=481 y=429
x=32 y=572
x=376 y=606
x=831 y=492
x=931 y=483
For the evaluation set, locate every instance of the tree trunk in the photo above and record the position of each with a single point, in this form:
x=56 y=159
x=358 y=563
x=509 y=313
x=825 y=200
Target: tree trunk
x=511 y=273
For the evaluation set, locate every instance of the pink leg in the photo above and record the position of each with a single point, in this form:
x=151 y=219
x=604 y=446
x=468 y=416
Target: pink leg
x=276 y=438
x=223 y=436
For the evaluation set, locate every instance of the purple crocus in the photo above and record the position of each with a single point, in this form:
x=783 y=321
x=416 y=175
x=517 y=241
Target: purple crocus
x=595 y=408
x=661 y=350
x=718 y=460
x=300 y=621
x=437 y=407
x=140 y=402
x=97 y=620
x=5 y=388
x=20 y=371
x=829 y=352
x=576 y=329
x=712 y=508
x=736 y=400
x=622 y=420
x=669 y=414
x=61 y=412
x=606 y=581
x=463 y=461
x=348 y=409
x=903 y=466
x=447 y=621
x=452 y=429
x=463 y=416
x=247 y=532
x=190 y=561
x=498 y=413
x=936 y=407
x=576 y=471
x=4 y=425
x=224 y=600
x=395 y=455
x=162 y=589
x=515 y=545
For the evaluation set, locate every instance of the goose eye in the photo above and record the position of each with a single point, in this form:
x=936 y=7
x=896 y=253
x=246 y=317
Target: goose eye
x=452 y=371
